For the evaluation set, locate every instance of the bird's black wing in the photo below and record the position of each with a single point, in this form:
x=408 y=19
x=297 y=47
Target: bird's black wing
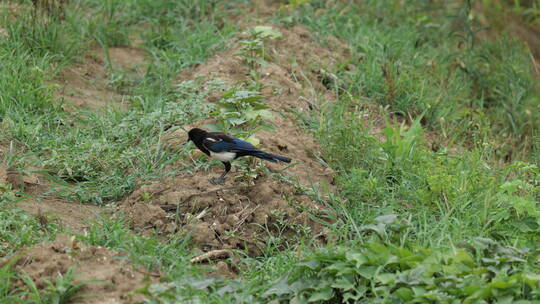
x=218 y=142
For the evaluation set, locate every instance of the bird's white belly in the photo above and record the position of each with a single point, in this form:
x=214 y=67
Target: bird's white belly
x=223 y=156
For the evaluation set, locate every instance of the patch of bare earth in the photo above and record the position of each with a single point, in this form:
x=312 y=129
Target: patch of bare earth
x=87 y=85
x=46 y=261
x=68 y=214
x=229 y=216
x=118 y=280
x=74 y=215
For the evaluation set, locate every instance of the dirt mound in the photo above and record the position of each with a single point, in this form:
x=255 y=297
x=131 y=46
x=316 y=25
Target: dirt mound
x=236 y=215
x=87 y=84
x=119 y=279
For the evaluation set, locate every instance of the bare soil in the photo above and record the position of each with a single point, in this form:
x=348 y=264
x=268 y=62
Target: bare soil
x=74 y=215
x=118 y=279
x=236 y=215
x=86 y=84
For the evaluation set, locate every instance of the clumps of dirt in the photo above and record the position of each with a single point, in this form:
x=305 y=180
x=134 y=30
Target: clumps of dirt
x=87 y=84
x=46 y=261
x=15 y=179
x=229 y=216
x=143 y=216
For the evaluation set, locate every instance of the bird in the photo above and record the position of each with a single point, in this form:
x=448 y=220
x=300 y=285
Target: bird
x=226 y=148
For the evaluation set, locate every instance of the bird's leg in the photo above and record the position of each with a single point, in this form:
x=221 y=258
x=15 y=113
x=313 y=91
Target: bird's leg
x=219 y=180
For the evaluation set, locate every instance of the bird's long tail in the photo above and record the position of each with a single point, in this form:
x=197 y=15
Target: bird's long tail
x=271 y=157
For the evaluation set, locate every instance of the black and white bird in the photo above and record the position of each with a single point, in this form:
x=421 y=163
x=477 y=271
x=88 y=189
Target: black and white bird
x=225 y=148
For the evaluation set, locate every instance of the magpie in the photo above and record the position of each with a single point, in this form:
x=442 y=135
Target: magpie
x=225 y=148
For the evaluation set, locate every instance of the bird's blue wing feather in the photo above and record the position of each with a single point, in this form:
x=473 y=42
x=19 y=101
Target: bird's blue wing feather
x=236 y=145
x=243 y=145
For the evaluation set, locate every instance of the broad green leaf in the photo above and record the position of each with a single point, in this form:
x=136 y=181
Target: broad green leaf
x=264 y=31
x=379 y=228
x=212 y=127
x=260 y=106
x=357 y=257
x=379 y=248
x=252 y=114
x=532 y=279
x=236 y=121
x=500 y=284
x=472 y=289
x=324 y=294
x=367 y=271
x=343 y=284
x=311 y=264
x=482 y=293
x=526 y=224
x=386 y=278
x=505 y=300
x=340 y=268
x=253 y=140
x=419 y=291
x=282 y=287
x=251 y=99
x=464 y=257
x=512 y=186
x=386 y=219
x=404 y=293
x=228 y=93
x=350 y=296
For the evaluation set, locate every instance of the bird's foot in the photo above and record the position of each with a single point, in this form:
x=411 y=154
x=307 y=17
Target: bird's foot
x=217 y=180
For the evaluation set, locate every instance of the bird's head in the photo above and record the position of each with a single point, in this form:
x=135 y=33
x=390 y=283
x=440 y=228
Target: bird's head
x=196 y=135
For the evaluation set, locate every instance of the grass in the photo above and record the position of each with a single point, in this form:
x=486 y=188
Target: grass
x=38 y=122
x=414 y=220
x=418 y=59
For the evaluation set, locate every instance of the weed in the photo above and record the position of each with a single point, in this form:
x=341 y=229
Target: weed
x=418 y=67
x=382 y=272
x=19 y=229
x=63 y=290
x=253 y=51
x=239 y=108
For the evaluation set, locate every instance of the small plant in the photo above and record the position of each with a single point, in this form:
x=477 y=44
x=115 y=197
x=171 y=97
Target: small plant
x=252 y=50
x=291 y=4
x=62 y=291
x=401 y=141
x=248 y=173
x=241 y=113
